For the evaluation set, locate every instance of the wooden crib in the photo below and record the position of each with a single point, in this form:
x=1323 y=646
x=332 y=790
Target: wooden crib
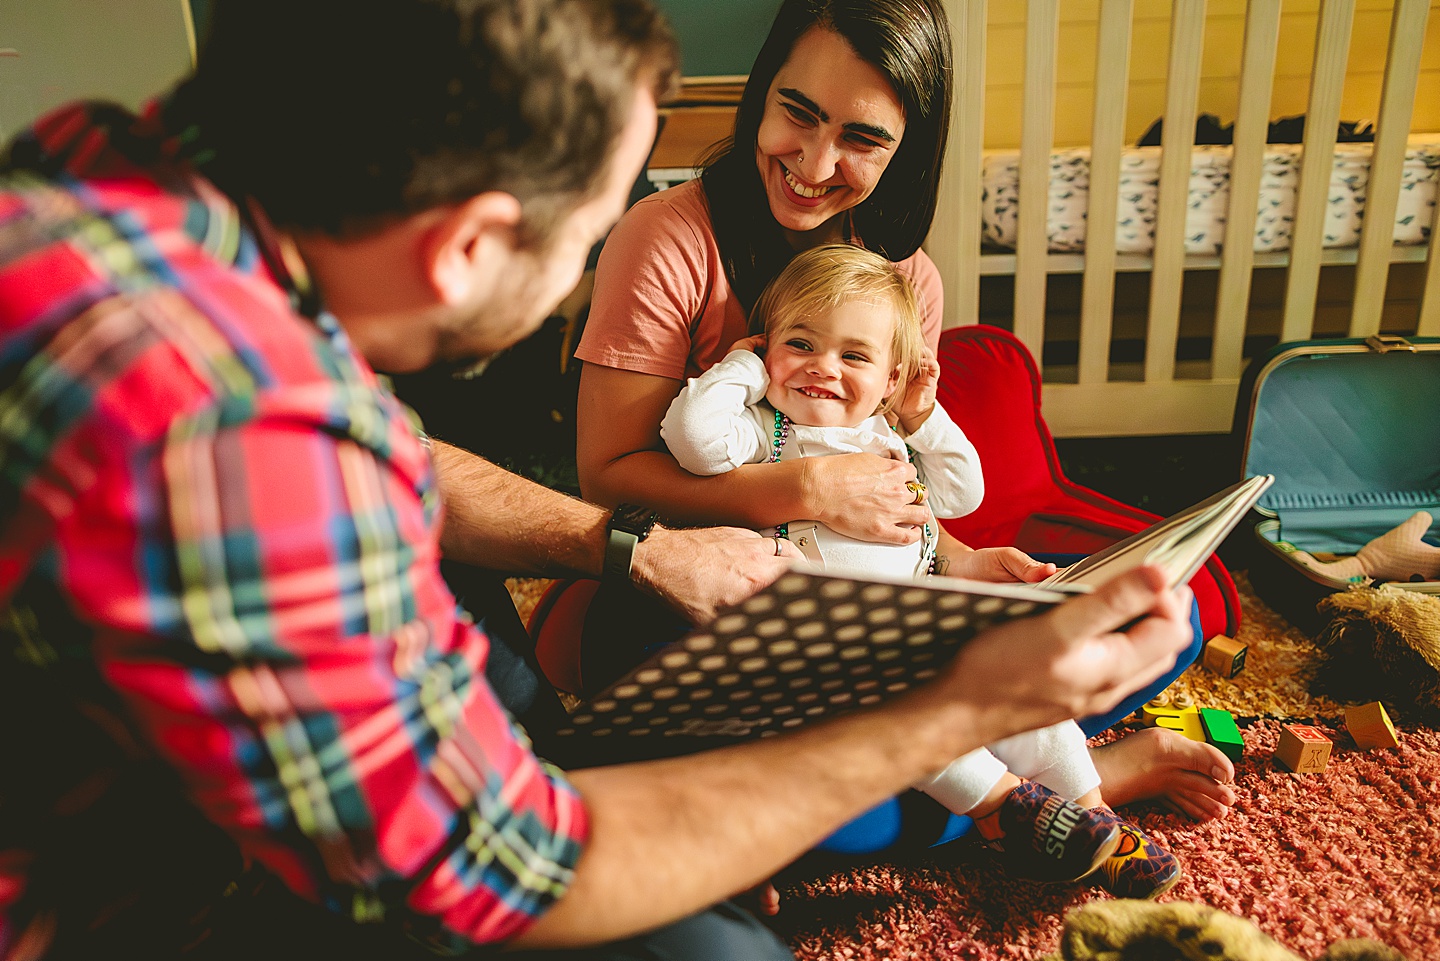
x=1094 y=396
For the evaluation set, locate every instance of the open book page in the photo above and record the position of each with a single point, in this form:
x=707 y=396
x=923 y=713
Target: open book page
x=1179 y=544
x=809 y=646
x=815 y=643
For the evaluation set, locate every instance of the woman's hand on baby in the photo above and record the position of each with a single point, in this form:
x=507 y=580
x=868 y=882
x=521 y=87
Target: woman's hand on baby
x=998 y=564
x=755 y=344
x=864 y=496
x=700 y=570
x=919 y=399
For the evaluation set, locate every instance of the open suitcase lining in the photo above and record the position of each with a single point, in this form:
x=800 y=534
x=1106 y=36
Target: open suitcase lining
x=1357 y=445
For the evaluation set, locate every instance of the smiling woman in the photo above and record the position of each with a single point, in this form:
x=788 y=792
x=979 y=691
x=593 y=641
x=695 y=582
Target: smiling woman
x=838 y=137
x=831 y=125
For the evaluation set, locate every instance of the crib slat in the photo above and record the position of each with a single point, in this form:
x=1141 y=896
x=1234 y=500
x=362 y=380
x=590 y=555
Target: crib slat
x=1112 y=78
x=1387 y=162
x=1429 y=325
x=1332 y=44
x=1128 y=408
x=1182 y=91
x=1237 y=260
x=954 y=241
x=1037 y=126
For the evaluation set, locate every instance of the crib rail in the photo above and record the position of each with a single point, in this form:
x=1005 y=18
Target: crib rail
x=1164 y=397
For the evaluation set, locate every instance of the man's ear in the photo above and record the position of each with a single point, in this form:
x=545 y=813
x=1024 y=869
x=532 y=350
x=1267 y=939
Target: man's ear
x=461 y=247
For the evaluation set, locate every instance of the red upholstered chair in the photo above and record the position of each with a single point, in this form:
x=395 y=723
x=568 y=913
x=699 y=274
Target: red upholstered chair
x=991 y=388
x=555 y=625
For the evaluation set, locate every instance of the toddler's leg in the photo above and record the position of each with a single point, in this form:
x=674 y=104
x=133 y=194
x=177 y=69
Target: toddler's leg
x=1057 y=757
x=1034 y=831
x=967 y=781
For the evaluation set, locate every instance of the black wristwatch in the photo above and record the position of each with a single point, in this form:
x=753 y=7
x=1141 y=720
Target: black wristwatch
x=628 y=526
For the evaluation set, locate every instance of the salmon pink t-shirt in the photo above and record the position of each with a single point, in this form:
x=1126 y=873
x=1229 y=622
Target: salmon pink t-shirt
x=663 y=304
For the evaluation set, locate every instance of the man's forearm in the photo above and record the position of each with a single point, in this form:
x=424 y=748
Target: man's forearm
x=499 y=520
x=672 y=837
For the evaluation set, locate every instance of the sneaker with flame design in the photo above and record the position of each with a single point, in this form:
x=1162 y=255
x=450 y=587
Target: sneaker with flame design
x=1036 y=833
x=1139 y=867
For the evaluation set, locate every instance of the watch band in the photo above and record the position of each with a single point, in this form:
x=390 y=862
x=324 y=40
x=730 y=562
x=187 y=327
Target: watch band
x=619 y=555
x=629 y=525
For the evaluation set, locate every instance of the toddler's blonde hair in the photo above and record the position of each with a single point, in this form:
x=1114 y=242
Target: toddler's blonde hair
x=824 y=277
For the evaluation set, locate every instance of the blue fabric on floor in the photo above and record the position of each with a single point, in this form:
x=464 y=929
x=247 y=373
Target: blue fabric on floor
x=1094 y=725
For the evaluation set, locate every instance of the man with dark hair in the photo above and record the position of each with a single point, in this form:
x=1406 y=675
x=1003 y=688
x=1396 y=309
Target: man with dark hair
x=229 y=639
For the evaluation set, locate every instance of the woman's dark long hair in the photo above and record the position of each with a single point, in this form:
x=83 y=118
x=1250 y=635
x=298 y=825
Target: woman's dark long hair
x=908 y=41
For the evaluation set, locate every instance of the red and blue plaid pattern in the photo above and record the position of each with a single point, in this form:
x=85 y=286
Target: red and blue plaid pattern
x=245 y=526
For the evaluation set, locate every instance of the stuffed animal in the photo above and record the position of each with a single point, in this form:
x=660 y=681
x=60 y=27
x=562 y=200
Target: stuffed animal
x=1381 y=644
x=1397 y=555
x=1183 y=931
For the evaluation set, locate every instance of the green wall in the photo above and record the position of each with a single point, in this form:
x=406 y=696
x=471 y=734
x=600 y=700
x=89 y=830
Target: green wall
x=53 y=51
x=719 y=37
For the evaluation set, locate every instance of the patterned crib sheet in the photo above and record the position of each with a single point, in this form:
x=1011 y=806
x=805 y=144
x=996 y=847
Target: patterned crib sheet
x=1209 y=197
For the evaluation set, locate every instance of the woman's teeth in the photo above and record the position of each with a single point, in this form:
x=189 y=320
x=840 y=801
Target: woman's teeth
x=809 y=193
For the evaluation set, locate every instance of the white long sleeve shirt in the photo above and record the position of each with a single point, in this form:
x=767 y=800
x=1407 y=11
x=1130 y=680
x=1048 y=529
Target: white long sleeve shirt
x=720 y=420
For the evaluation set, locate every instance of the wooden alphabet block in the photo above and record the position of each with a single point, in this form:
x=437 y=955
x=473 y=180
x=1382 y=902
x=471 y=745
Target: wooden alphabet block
x=1221 y=731
x=1303 y=749
x=1224 y=656
x=1370 y=726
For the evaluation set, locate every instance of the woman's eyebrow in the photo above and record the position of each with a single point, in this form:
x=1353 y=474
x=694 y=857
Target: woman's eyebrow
x=868 y=129
x=804 y=101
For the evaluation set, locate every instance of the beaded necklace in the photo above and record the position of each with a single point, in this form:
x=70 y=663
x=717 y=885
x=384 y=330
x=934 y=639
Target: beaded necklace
x=782 y=433
x=777 y=444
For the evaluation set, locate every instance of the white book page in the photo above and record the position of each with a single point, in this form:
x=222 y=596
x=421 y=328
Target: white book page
x=1179 y=544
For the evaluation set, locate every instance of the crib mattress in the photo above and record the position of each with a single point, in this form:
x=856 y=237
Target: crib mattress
x=1209 y=197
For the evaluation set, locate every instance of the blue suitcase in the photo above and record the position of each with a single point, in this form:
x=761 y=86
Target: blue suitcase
x=1351 y=431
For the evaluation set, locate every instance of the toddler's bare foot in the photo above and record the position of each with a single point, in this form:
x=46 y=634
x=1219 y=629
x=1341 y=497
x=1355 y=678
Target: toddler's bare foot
x=1190 y=776
x=763 y=899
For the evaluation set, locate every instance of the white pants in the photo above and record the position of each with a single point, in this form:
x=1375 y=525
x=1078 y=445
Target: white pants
x=1054 y=756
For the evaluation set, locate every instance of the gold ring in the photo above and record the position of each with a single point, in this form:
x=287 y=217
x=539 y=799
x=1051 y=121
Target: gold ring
x=918 y=489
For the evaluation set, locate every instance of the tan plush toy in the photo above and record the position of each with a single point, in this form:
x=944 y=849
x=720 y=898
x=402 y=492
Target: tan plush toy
x=1396 y=555
x=1184 y=931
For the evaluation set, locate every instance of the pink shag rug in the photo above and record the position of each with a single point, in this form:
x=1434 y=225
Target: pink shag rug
x=1353 y=852
x=1311 y=859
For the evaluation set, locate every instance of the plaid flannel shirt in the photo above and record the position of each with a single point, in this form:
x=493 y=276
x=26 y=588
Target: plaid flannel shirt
x=243 y=525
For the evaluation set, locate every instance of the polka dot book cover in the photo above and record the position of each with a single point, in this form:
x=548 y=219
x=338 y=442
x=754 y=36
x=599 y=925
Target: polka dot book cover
x=817 y=643
x=809 y=646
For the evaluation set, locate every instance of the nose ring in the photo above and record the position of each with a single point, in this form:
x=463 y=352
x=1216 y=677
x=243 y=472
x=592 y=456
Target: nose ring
x=800 y=159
